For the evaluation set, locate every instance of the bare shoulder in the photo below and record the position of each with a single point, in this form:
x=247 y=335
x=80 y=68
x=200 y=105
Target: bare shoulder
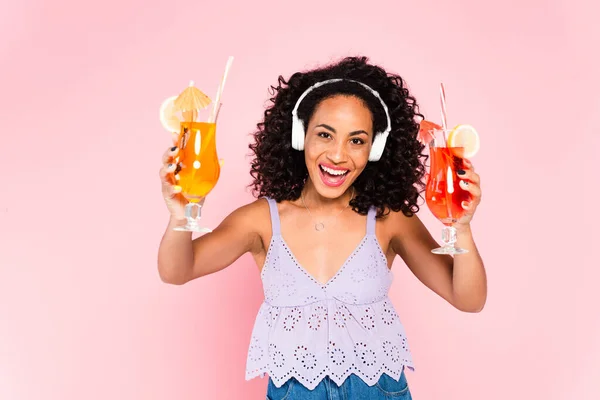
x=399 y=229
x=396 y=221
x=254 y=214
x=253 y=219
x=255 y=209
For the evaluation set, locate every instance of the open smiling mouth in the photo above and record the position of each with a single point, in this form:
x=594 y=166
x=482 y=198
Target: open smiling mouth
x=333 y=176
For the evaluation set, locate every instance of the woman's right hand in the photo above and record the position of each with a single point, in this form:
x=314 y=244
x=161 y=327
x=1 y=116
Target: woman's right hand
x=172 y=193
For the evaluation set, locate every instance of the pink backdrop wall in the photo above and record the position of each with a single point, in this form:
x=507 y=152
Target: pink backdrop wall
x=83 y=314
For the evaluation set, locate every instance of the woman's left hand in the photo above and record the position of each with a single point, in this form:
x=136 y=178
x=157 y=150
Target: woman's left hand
x=470 y=182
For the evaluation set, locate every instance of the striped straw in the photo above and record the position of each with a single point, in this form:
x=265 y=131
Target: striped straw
x=443 y=103
x=450 y=188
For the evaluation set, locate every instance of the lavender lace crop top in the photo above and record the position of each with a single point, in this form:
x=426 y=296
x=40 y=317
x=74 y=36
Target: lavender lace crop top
x=308 y=330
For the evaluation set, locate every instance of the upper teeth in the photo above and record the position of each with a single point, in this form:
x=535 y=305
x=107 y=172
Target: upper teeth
x=334 y=171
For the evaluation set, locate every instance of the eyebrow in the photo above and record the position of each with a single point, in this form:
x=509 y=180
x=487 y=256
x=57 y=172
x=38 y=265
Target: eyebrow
x=333 y=130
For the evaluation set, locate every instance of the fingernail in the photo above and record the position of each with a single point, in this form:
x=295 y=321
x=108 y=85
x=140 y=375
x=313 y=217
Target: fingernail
x=173 y=148
x=170 y=166
x=460 y=172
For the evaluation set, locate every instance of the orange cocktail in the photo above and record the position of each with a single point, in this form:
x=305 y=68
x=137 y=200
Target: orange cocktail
x=198 y=167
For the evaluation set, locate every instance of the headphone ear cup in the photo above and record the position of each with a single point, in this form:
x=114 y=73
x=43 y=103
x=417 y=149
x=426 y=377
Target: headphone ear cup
x=378 y=146
x=297 y=133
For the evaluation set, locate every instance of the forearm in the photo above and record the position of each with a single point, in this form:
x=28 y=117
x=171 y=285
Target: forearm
x=175 y=254
x=469 y=282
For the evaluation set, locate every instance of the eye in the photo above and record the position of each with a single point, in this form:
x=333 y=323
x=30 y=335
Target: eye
x=324 y=135
x=357 y=141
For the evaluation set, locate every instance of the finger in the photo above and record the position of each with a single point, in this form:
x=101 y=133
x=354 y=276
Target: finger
x=173 y=191
x=467 y=205
x=166 y=173
x=175 y=138
x=469 y=175
x=468 y=164
x=169 y=154
x=472 y=188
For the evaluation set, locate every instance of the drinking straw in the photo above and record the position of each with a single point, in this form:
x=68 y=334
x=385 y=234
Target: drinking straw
x=217 y=101
x=445 y=128
x=443 y=104
x=217 y=114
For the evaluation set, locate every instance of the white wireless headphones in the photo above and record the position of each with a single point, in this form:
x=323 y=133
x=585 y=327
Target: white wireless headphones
x=298 y=130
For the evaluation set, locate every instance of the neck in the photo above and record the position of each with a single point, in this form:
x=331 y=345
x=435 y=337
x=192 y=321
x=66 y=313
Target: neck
x=316 y=202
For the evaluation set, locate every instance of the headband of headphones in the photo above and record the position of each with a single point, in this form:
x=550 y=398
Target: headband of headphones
x=298 y=130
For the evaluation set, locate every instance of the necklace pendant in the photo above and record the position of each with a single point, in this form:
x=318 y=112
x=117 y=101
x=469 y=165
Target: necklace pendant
x=319 y=226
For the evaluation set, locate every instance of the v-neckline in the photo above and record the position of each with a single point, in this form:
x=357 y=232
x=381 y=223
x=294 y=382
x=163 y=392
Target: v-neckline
x=339 y=270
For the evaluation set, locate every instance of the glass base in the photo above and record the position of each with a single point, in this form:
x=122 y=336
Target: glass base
x=449 y=250
x=192 y=228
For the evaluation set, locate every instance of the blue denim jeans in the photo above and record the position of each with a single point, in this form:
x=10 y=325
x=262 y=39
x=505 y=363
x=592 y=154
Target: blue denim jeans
x=352 y=388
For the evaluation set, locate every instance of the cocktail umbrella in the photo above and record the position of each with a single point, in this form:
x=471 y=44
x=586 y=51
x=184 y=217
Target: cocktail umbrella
x=190 y=101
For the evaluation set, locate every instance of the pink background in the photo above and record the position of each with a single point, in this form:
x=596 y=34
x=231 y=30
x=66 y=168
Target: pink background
x=83 y=314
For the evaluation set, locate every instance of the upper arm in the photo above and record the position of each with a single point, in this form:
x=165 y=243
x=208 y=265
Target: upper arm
x=237 y=234
x=412 y=241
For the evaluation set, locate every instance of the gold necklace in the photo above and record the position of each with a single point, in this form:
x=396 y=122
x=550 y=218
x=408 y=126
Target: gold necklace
x=319 y=226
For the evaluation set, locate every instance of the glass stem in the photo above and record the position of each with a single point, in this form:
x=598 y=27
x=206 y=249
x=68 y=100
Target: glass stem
x=449 y=236
x=189 y=213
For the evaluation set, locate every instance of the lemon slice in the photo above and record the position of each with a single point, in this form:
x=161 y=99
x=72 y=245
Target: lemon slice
x=465 y=137
x=168 y=115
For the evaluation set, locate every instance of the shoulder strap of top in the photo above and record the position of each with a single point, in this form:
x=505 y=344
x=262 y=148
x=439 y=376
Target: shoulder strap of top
x=275 y=225
x=371 y=217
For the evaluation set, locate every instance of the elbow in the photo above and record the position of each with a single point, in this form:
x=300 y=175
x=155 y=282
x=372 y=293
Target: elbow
x=170 y=281
x=471 y=302
x=472 y=308
x=170 y=278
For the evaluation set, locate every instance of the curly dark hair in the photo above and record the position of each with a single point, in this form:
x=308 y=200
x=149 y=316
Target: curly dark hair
x=395 y=182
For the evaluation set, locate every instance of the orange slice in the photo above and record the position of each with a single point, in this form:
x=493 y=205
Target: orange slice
x=168 y=115
x=465 y=137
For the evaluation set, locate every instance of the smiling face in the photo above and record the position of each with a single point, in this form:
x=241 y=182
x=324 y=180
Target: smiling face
x=337 y=144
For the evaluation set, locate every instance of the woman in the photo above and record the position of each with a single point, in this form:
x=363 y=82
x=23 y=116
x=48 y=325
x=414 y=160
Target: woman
x=337 y=171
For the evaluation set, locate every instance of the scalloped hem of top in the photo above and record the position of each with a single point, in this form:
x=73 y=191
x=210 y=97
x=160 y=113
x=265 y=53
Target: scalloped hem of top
x=262 y=372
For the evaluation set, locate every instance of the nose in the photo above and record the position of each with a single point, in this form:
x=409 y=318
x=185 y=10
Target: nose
x=337 y=152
